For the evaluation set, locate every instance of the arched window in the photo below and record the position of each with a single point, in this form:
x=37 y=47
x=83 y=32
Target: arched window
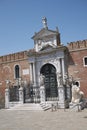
x=17 y=70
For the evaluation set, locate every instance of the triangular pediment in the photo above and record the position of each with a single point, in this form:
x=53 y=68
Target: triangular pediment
x=44 y=33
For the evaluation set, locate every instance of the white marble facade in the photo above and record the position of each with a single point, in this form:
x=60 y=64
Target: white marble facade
x=47 y=51
x=57 y=60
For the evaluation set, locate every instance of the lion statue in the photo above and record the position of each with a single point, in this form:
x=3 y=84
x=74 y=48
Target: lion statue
x=77 y=95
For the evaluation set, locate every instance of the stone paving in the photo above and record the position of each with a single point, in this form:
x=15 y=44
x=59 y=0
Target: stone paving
x=43 y=120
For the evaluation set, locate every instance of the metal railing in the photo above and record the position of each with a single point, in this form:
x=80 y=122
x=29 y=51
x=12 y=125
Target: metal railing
x=14 y=93
x=32 y=94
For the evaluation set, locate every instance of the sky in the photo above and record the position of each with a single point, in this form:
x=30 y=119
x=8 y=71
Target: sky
x=20 y=19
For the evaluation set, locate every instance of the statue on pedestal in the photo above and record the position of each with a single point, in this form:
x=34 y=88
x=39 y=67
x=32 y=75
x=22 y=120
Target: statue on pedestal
x=77 y=95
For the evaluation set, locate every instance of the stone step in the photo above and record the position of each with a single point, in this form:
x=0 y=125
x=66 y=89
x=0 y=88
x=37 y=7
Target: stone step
x=31 y=106
x=45 y=106
x=27 y=106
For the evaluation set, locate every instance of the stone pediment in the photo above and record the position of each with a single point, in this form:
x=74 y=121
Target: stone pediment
x=44 y=33
x=47 y=48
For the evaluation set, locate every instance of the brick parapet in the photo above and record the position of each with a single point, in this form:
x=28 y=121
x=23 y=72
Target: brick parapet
x=78 y=45
x=13 y=57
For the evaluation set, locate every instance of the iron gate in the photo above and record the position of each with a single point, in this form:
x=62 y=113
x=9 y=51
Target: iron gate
x=32 y=94
x=14 y=93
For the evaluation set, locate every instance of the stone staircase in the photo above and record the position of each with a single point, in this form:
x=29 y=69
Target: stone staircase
x=27 y=106
x=31 y=107
x=45 y=106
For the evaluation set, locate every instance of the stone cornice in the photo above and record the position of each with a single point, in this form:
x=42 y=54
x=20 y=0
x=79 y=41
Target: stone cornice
x=44 y=32
x=45 y=52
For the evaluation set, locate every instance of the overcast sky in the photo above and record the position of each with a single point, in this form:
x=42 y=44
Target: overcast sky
x=20 y=19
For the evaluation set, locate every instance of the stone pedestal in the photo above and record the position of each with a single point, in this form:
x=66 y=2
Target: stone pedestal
x=7 y=98
x=21 y=95
x=42 y=94
x=75 y=106
x=61 y=95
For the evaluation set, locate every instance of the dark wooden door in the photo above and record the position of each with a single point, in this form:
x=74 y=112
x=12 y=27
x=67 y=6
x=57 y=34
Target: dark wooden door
x=49 y=71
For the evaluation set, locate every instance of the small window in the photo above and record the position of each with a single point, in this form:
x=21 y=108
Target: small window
x=17 y=71
x=85 y=61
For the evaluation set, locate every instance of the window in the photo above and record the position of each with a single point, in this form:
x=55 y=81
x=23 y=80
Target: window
x=17 y=70
x=85 y=61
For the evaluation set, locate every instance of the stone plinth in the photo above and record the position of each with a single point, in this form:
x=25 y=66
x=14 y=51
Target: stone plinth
x=75 y=106
x=7 y=98
x=21 y=95
x=61 y=95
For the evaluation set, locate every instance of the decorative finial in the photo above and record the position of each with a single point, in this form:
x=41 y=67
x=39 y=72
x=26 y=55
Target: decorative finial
x=44 y=21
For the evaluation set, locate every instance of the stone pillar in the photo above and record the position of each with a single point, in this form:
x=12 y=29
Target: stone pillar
x=21 y=95
x=63 y=68
x=58 y=70
x=7 y=98
x=34 y=74
x=31 y=73
x=42 y=94
x=61 y=94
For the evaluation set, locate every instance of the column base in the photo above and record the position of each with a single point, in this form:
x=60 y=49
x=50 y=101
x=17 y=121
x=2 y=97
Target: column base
x=42 y=94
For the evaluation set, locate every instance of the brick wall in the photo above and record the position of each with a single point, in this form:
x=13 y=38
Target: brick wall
x=76 y=68
x=7 y=65
x=77 y=51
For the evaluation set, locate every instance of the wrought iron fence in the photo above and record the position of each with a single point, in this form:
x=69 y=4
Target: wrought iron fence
x=14 y=93
x=32 y=94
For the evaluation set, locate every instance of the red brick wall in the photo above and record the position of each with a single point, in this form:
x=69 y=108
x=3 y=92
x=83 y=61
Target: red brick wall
x=7 y=64
x=76 y=67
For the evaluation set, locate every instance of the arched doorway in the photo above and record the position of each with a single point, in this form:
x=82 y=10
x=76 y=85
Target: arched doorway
x=49 y=71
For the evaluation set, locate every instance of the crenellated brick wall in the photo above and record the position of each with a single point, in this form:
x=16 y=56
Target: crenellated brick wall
x=77 y=45
x=13 y=57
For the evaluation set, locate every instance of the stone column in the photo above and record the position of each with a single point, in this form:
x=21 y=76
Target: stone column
x=61 y=89
x=58 y=70
x=63 y=68
x=31 y=73
x=34 y=74
x=42 y=89
x=21 y=95
x=42 y=94
x=61 y=94
x=7 y=98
